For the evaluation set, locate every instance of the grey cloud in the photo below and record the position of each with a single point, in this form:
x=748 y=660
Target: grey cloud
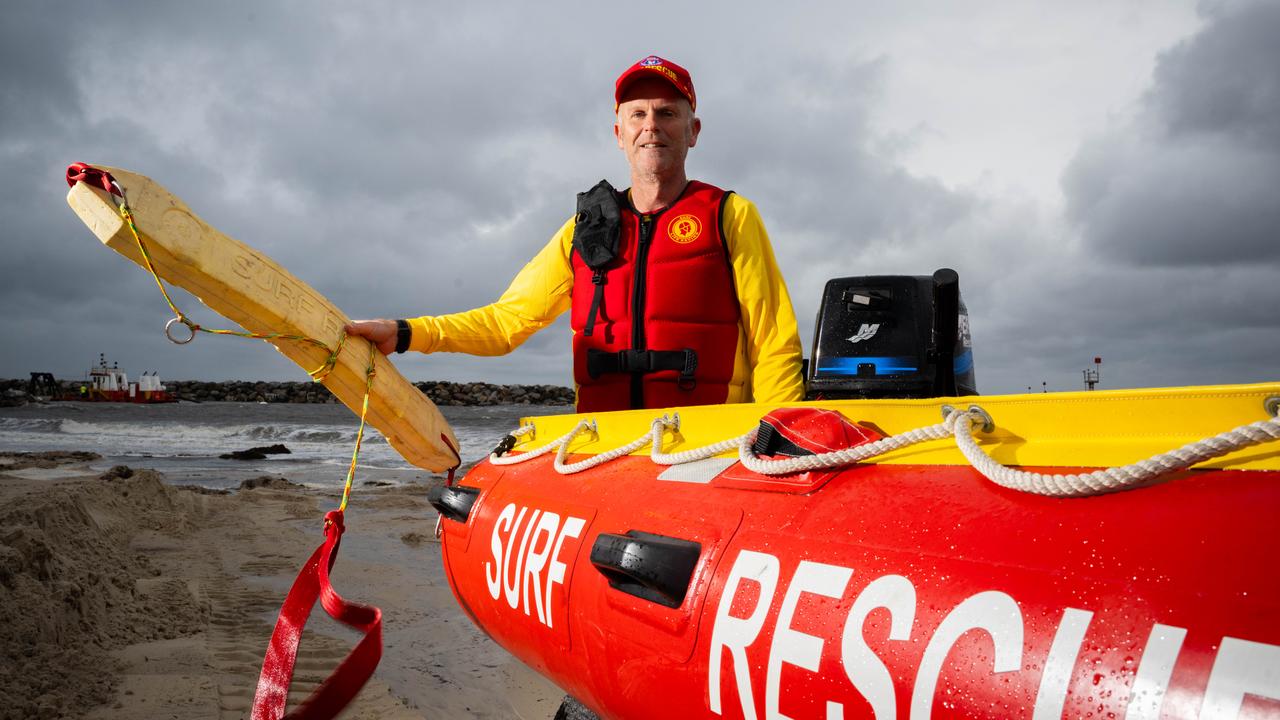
x=1224 y=82
x=811 y=168
x=1195 y=177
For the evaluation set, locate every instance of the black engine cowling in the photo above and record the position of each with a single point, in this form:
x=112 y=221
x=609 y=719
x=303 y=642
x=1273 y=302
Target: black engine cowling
x=892 y=336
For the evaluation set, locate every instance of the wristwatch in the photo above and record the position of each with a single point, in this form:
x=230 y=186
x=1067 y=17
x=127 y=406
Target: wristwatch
x=403 y=333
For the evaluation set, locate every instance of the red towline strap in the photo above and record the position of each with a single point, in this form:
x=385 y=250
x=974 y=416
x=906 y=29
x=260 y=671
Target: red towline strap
x=81 y=172
x=355 y=669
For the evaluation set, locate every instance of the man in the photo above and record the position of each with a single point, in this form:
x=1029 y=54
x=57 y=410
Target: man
x=675 y=295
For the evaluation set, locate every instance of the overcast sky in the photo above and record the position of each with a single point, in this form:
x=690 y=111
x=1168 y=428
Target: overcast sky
x=1104 y=175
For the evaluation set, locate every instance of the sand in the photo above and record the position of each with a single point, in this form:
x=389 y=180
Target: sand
x=128 y=598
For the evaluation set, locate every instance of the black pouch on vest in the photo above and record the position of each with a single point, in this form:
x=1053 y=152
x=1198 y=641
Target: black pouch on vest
x=597 y=228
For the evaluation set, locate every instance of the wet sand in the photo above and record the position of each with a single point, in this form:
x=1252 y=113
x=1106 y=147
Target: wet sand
x=129 y=598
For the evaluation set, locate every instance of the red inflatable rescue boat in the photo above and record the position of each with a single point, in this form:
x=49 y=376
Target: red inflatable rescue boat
x=908 y=585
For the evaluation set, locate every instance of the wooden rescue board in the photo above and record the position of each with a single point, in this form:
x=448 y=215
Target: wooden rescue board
x=250 y=289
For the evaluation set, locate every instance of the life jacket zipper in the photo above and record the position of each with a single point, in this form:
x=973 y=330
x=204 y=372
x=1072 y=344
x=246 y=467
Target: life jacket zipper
x=638 y=341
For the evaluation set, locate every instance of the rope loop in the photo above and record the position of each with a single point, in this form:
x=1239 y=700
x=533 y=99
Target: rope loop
x=691 y=455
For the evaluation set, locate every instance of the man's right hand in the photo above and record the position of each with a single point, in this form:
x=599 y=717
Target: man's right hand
x=382 y=333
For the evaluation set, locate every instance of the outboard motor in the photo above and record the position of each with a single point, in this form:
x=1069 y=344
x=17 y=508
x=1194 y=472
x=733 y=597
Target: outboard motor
x=892 y=336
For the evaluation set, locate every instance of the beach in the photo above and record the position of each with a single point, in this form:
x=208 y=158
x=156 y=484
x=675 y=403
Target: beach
x=128 y=596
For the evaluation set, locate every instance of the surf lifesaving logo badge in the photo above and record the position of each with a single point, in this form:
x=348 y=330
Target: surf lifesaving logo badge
x=684 y=229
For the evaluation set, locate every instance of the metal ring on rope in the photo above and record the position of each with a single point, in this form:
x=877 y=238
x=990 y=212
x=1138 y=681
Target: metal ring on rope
x=168 y=331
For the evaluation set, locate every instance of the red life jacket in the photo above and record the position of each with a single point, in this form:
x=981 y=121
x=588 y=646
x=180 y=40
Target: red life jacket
x=657 y=326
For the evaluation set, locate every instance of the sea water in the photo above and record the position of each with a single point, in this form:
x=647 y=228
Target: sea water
x=184 y=440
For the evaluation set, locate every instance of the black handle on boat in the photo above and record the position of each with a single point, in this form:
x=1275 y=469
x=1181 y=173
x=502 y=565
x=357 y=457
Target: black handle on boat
x=453 y=502
x=946 y=328
x=652 y=567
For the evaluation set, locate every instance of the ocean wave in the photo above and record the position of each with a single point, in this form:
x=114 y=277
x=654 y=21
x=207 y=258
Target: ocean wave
x=171 y=431
x=191 y=433
x=299 y=433
x=30 y=425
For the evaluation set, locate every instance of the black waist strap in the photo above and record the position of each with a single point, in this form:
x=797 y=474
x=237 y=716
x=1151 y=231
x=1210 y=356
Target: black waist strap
x=685 y=362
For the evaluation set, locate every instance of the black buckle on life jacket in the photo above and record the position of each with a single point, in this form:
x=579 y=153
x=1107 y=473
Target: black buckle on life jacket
x=685 y=362
x=597 y=299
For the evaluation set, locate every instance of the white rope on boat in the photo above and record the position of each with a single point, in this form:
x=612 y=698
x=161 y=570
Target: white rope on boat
x=695 y=454
x=1110 y=479
x=655 y=430
x=653 y=437
x=692 y=455
x=957 y=423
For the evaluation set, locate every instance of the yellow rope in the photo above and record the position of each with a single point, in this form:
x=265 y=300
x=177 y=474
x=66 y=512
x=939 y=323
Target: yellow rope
x=364 y=410
x=317 y=375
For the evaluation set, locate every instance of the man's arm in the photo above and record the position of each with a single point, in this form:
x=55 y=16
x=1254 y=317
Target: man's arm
x=768 y=319
x=538 y=295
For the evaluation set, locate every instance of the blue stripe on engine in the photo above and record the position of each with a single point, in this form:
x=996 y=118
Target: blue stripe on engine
x=883 y=365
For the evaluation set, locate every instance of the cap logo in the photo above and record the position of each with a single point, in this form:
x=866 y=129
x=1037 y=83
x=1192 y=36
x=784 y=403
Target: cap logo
x=684 y=229
x=651 y=60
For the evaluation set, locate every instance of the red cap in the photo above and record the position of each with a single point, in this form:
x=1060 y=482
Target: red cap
x=665 y=69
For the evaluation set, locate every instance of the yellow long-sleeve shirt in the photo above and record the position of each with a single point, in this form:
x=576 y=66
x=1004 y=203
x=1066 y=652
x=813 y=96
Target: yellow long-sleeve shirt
x=767 y=360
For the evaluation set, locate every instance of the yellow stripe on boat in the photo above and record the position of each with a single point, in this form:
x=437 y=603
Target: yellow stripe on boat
x=1068 y=429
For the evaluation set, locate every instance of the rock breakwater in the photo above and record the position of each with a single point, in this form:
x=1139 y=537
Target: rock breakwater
x=16 y=392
